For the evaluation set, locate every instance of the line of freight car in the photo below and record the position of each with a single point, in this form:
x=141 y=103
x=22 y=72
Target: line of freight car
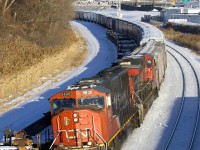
x=111 y=36
x=121 y=55
x=123 y=46
x=121 y=37
x=121 y=42
x=126 y=42
x=126 y=46
x=120 y=50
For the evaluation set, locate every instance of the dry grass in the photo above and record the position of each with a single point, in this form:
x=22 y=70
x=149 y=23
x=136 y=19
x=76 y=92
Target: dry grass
x=25 y=65
x=18 y=54
x=36 y=43
x=191 y=41
x=40 y=21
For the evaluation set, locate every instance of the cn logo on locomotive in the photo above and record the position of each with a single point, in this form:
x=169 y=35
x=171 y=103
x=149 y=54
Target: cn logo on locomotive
x=66 y=121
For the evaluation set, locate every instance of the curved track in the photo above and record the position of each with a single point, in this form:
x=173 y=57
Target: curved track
x=182 y=103
x=183 y=108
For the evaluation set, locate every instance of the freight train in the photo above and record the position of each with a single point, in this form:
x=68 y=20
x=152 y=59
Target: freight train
x=93 y=113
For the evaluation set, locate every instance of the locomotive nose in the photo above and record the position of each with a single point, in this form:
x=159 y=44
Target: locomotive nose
x=76 y=128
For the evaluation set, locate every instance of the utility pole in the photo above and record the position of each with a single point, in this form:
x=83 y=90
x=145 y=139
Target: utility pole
x=119 y=14
x=153 y=3
x=136 y=2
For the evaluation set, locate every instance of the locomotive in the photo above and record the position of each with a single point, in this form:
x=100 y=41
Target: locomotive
x=94 y=112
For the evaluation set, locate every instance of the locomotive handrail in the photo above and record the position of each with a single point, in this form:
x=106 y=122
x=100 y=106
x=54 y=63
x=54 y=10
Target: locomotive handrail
x=144 y=87
x=139 y=91
x=50 y=148
x=139 y=99
x=105 y=143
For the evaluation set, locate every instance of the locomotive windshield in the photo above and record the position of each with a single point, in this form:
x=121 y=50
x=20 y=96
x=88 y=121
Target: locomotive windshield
x=91 y=101
x=65 y=103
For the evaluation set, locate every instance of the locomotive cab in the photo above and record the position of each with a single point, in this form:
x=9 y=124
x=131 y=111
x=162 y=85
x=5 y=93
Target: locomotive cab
x=80 y=117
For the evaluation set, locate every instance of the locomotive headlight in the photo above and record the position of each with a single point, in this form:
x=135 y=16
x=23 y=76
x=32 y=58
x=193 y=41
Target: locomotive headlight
x=89 y=143
x=75 y=115
x=75 y=119
x=61 y=145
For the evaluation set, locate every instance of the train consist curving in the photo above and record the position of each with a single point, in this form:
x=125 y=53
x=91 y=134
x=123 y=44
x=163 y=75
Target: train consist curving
x=93 y=113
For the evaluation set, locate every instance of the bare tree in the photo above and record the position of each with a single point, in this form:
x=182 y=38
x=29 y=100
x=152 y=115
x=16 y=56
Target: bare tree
x=42 y=21
x=5 y=6
x=5 y=15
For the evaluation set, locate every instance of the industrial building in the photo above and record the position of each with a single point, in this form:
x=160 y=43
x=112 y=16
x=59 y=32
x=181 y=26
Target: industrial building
x=179 y=14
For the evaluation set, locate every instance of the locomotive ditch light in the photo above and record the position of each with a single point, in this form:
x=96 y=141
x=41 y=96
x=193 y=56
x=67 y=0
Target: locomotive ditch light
x=75 y=115
x=75 y=119
x=89 y=143
x=61 y=145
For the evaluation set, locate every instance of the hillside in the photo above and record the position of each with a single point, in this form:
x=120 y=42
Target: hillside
x=36 y=41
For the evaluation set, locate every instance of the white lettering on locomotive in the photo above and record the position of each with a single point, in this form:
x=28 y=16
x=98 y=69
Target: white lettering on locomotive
x=65 y=94
x=87 y=92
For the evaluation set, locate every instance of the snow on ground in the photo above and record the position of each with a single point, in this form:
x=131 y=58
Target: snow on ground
x=159 y=121
x=101 y=54
x=149 y=134
x=196 y=64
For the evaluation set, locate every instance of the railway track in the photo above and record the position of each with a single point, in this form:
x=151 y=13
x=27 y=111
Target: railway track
x=183 y=105
x=177 y=124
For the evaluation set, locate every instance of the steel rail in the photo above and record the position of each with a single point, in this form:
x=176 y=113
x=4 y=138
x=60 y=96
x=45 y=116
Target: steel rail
x=198 y=111
x=181 y=107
